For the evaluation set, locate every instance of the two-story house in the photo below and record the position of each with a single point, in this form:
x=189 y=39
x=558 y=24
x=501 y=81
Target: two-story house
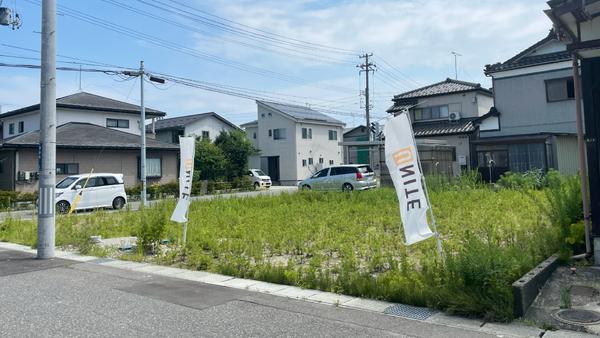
x=205 y=125
x=93 y=132
x=445 y=113
x=293 y=141
x=535 y=121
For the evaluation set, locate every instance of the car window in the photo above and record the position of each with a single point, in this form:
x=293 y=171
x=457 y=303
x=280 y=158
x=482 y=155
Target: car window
x=66 y=182
x=321 y=173
x=342 y=170
x=109 y=180
x=365 y=169
x=259 y=173
x=250 y=173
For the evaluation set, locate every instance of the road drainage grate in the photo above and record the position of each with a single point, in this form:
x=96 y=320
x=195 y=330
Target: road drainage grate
x=408 y=311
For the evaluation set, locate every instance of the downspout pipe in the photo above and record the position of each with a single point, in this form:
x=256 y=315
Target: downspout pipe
x=582 y=159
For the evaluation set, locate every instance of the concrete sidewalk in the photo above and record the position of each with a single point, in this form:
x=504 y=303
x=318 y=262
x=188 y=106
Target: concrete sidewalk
x=87 y=296
x=135 y=205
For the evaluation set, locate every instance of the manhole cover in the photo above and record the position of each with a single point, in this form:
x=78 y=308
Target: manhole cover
x=579 y=316
x=408 y=311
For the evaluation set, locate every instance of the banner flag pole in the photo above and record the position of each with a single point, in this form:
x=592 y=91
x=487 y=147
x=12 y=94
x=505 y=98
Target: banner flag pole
x=424 y=182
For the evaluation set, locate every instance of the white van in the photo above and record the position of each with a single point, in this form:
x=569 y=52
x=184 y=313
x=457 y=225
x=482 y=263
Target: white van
x=101 y=191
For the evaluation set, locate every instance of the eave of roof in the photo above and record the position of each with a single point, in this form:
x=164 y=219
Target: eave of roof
x=90 y=137
x=521 y=60
x=448 y=86
x=132 y=109
x=440 y=128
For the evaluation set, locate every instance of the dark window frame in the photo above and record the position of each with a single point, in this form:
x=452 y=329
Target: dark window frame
x=139 y=169
x=569 y=79
x=279 y=135
x=117 y=123
x=206 y=135
x=437 y=110
x=332 y=135
x=21 y=126
x=11 y=129
x=65 y=168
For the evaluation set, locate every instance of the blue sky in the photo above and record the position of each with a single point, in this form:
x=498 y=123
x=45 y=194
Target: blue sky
x=414 y=36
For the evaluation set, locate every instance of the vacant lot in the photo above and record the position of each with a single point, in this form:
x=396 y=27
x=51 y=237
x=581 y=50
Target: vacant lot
x=350 y=243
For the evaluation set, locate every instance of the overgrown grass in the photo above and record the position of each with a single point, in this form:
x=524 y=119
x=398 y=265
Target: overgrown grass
x=350 y=243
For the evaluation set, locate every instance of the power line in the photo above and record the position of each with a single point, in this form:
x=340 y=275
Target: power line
x=299 y=53
x=186 y=50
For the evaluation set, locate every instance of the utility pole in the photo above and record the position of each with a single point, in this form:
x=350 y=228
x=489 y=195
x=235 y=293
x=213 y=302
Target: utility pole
x=367 y=67
x=143 y=135
x=141 y=73
x=46 y=208
x=455 y=64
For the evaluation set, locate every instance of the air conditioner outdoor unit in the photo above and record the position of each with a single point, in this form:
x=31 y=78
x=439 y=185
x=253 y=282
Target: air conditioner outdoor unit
x=454 y=116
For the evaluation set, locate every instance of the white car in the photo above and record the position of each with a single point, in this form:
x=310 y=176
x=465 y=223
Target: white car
x=259 y=178
x=101 y=191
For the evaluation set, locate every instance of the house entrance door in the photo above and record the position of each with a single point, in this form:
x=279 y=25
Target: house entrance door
x=273 y=168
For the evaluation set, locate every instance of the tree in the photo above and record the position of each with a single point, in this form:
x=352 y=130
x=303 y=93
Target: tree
x=236 y=148
x=209 y=160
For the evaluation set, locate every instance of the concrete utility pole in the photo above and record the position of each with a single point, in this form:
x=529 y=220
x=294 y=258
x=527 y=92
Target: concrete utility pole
x=143 y=135
x=46 y=208
x=367 y=67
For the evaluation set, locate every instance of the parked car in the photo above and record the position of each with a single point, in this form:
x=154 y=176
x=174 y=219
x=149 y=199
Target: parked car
x=101 y=191
x=345 y=177
x=259 y=179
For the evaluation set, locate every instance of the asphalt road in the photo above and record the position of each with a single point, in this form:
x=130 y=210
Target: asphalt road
x=59 y=298
x=135 y=205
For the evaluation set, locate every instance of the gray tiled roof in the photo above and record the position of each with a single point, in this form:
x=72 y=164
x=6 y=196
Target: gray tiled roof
x=89 y=136
x=463 y=126
x=301 y=113
x=524 y=59
x=182 y=121
x=87 y=101
x=447 y=86
x=247 y=124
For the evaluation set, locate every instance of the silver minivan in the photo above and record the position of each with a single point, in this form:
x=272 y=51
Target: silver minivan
x=342 y=177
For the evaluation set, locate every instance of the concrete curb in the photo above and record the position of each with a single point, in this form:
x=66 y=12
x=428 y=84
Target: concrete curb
x=526 y=288
x=514 y=329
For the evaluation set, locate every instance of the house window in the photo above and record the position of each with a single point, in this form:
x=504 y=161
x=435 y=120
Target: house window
x=279 y=134
x=331 y=162
x=205 y=135
x=67 y=168
x=560 y=89
x=320 y=160
x=523 y=157
x=304 y=163
x=117 y=123
x=254 y=135
x=21 y=126
x=153 y=167
x=431 y=113
x=307 y=133
x=175 y=136
x=333 y=135
x=11 y=129
x=310 y=161
x=270 y=132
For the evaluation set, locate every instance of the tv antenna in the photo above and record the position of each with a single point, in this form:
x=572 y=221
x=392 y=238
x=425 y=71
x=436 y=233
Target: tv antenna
x=10 y=17
x=455 y=64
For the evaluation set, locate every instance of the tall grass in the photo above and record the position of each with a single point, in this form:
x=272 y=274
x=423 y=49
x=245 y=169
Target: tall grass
x=349 y=243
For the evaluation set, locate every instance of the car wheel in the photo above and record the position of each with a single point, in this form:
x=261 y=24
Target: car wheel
x=63 y=207
x=256 y=185
x=118 y=203
x=306 y=187
x=347 y=187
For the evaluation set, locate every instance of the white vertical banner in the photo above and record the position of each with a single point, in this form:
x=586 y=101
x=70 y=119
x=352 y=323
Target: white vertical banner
x=187 y=149
x=402 y=160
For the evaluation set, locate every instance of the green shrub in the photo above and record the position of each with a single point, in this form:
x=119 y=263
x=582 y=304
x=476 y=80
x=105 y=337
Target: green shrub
x=152 y=227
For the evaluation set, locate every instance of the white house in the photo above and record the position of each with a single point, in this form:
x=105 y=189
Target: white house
x=293 y=141
x=92 y=133
x=205 y=125
x=80 y=107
